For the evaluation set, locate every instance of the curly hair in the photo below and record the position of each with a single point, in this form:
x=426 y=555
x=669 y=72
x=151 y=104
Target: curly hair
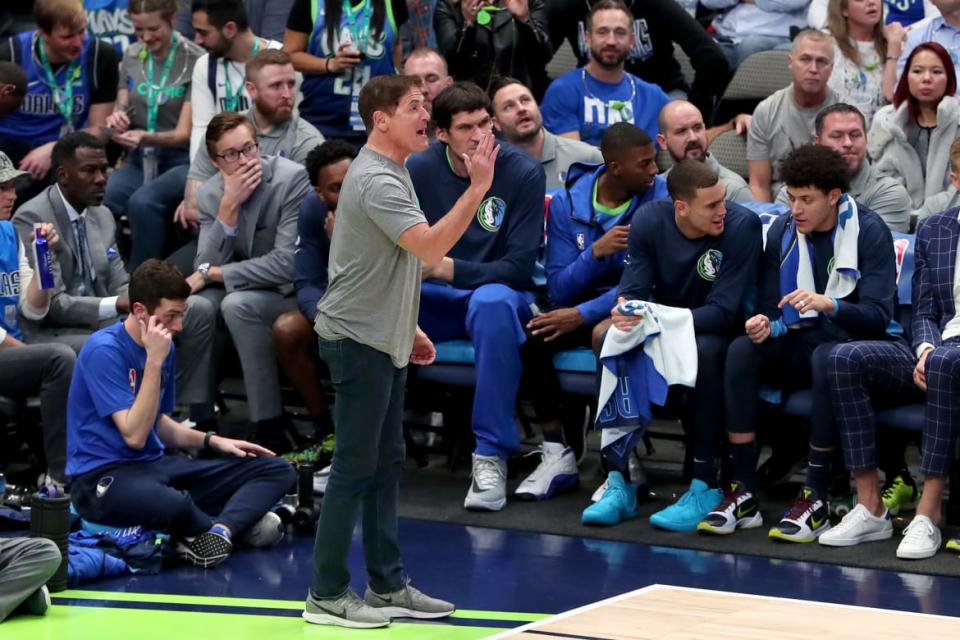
x=327 y=153
x=814 y=165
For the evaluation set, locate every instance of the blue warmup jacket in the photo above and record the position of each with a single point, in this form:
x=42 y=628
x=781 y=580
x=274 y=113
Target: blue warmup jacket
x=312 y=254
x=574 y=276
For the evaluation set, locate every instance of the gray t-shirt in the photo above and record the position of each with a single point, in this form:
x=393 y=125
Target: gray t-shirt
x=374 y=293
x=133 y=70
x=779 y=126
x=293 y=140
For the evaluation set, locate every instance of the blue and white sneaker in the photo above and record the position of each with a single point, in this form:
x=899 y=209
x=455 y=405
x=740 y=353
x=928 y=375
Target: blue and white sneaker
x=692 y=507
x=619 y=503
x=556 y=473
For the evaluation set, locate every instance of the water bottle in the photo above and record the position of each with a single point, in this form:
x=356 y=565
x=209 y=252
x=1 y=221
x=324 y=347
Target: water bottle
x=43 y=258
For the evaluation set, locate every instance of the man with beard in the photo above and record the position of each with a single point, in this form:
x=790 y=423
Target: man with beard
x=517 y=117
x=785 y=120
x=582 y=103
x=684 y=135
x=431 y=67
x=843 y=128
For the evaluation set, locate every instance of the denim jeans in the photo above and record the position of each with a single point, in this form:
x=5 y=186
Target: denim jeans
x=367 y=463
x=149 y=208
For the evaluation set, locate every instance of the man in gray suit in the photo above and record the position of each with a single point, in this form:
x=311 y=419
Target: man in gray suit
x=244 y=263
x=90 y=280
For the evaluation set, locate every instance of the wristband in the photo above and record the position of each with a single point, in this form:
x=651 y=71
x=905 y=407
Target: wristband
x=326 y=65
x=893 y=57
x=206 y=440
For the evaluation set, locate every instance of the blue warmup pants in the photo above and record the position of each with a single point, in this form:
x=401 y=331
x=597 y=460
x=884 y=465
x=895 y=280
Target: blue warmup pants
x=491 y=316
x=181 y=496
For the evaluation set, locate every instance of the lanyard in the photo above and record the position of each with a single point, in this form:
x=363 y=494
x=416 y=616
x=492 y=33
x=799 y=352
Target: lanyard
x=62 y=97
x=155 y=95
x=233 y=98
x=625 y=107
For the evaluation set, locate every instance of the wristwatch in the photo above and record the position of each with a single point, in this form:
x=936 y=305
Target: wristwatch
x=204 y=271
x=206 y=440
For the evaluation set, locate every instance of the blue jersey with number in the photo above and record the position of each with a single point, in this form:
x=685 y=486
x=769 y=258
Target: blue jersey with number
x=906 y=12
x=9 y=279
x=38 y=120
x=327 y=98
x=108 y=20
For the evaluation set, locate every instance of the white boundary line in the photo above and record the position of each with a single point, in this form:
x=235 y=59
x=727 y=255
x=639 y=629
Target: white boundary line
x=532 y=626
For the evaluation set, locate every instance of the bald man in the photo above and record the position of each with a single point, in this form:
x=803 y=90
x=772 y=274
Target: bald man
x=428 y=65
x=684 y=135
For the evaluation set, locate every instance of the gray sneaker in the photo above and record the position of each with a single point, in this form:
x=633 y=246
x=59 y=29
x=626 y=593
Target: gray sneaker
x=346 y=611
x=265 y=532
x=488 y=487
x=408 y=602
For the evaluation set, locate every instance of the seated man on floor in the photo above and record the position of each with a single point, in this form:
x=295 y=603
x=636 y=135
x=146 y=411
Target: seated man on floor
x=119 y=423
x=587 y=231
x=244 y=262
x=293 y=334
x=864 y=374
x=828 y=275
x=482 y=290
x=843 y=128
x=25 y=566
x=699 y=253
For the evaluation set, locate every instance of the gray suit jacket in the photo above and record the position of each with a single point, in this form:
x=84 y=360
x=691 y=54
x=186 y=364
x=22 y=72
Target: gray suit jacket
x=260 y=254
x=112 y=278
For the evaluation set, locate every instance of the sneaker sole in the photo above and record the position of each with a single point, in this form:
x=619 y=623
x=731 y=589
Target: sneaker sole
x=479 y=505
x=560 y=484
x=328 y=619
x=198 y=561
x=776 y=534
x=402 y=612
x=756 y=520
x=917 y=555
x=852 y=542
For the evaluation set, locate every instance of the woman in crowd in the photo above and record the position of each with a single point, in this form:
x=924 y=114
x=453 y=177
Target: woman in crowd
x=339 y=45
x=484 y=39
x=152 y=121
x=860 y=54
x=910 y=139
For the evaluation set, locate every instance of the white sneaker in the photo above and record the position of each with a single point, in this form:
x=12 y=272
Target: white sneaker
x=266 y=532
x=556 y=473
x=488 y=489
x=921 y=539
x=858 y=526
x=320 y=479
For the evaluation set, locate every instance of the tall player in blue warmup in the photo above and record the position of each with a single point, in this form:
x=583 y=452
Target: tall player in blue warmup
x=483 y=288
x=338 y=46
x=72 y=84
x=827 y=276
x=587 y=228
x=699 y=253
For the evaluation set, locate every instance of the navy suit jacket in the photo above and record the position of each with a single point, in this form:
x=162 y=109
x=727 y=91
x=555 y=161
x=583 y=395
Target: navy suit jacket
x=935 y=258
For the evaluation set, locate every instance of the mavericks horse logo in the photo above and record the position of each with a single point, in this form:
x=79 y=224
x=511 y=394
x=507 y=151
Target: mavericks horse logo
x=708 y=266
x=491 y=212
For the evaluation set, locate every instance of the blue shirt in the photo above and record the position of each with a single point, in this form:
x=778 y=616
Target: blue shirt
x=107 y=379
x=906 y=12
x=10 y=280
x=576 y=101
x=710 y=275
x=935 y=30
x=312 y=254
x=502 y=241
x=108 y=20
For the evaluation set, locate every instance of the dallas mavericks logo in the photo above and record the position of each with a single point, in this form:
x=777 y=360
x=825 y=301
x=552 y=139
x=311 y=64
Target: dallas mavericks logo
x=363 y=40
x=708 y=266
x=831 y=265
x=490 y=213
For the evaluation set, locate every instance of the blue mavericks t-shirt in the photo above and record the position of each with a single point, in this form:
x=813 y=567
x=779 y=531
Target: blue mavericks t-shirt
x=906 y=12
x=10 y=279
x=576 y=101
x=106 y=379
x=108 y=20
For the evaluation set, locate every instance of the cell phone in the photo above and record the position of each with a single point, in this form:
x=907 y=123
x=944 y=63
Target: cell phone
x=108 y=131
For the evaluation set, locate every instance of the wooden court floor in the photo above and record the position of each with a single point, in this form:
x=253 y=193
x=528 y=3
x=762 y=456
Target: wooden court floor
x=661 y=612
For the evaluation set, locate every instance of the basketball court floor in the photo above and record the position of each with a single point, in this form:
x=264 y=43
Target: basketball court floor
x=510 y=584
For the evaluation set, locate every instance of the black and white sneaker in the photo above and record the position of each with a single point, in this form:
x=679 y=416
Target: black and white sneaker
x=738 y=510
x=205 y=550
x=805 y=520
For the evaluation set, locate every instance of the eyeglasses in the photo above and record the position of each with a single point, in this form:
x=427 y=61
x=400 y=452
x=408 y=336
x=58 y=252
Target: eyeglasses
x=232 y=155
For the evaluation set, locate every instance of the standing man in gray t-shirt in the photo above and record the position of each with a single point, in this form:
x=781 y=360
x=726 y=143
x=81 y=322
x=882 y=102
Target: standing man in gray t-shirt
x=367 y=328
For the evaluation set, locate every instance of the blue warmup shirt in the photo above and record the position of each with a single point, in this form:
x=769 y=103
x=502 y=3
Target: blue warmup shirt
x=108 y=20
x=502 y=241
x=906 y=12
x=312 y=255
x=710 y=275
x=106 y=379
x=38 y=120
x=327 y=98
x=574 y=276
x=866 y=313
x=576 y=101
x=10 y=280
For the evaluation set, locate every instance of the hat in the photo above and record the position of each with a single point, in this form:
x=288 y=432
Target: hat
x=9 y=172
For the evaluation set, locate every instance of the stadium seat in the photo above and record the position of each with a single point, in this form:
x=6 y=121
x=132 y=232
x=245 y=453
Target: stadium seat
x=730 y=150
x=684 y=61
x=760 y=75
x=563 y=60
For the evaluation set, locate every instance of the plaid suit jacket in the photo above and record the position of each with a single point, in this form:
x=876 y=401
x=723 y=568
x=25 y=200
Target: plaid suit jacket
x=935 y=258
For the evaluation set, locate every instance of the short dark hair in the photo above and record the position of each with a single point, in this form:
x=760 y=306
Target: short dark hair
x=607 y=5
x=457 y=98
x=66 y=147
x=220 y=124
x=383 y=93
x=689 y=175
x=621 y=137
x=840 y=107
x=327 y=153
x=814 y=165
x=499 y=82
x=155 y=280
x=263 y=58
x=220 y=12
x=50 y=13
x=12 y=73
